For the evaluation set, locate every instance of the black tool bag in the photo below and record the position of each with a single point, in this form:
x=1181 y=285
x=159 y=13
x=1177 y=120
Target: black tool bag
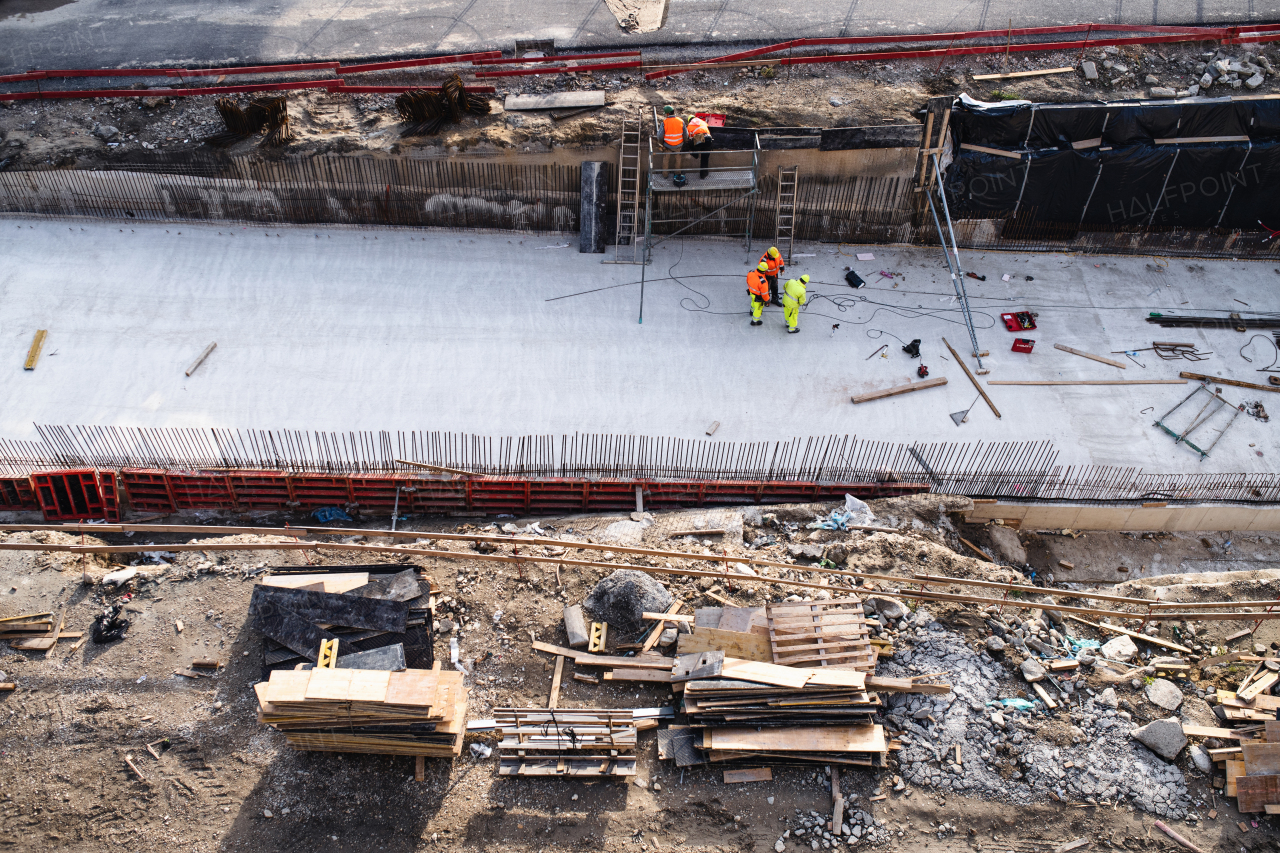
x=854 y=280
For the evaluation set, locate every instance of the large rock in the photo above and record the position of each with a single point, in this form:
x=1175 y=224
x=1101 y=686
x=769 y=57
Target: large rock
x=995 y=645
x=1032 y=671
x=889 y=608
x=1164 y=693
x=1119 y=648
x=1108 y=698
x=1008 y=546
x=1163 y=737
x=1201 y=758
x=622 y=597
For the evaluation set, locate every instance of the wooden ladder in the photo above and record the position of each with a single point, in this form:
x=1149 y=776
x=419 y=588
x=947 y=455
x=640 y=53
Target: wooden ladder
x=784 y=234
x=626 y=248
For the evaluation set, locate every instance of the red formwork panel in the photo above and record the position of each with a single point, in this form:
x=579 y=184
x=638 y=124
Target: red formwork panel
x=68 y=495
x=261 y=489
x=148 y=489
x=201 y=491
x=316 y=490
x=110 y=496
x=17 y=495
x=378 y=491
x=435 y=496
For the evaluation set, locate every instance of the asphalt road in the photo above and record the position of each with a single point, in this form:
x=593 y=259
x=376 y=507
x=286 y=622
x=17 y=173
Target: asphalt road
x=105 y=33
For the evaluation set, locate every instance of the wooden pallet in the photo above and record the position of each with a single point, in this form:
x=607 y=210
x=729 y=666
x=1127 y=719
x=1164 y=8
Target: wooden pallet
x=821 y=633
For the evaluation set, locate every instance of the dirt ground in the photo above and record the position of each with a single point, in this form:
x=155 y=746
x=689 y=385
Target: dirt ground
x=61 y=133
x=225 y=782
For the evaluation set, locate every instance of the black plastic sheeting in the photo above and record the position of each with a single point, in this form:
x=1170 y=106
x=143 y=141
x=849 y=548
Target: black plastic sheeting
x=1027 y=127
x=1130 y=188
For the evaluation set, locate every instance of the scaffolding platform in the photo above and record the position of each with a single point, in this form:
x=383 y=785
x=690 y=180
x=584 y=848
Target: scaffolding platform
x=732 y=179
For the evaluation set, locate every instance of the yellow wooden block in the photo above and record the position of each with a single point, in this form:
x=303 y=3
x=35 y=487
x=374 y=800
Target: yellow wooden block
x=33 y=354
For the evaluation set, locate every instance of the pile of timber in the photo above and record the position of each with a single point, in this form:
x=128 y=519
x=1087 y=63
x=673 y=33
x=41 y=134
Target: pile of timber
x=750 y=711
x=1251 y=766
x=584 y=742
x=381 y=620
x=411 y=712
x=35 y=632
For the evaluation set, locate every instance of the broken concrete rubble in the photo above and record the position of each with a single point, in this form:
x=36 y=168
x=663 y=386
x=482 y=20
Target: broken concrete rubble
x=1163 y=737
x=621 y=598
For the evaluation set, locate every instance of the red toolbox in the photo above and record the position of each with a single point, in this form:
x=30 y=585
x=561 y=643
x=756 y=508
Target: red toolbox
x=1023 y=321
x=1023 y=344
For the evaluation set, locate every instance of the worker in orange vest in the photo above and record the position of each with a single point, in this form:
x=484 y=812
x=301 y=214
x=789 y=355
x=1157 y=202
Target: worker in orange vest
x=758 y=287
x=772 y=259
x=699 y=133
x=673 y=140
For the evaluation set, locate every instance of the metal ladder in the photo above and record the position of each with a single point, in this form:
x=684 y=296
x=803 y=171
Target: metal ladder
x=626 y=248
x=785 y=222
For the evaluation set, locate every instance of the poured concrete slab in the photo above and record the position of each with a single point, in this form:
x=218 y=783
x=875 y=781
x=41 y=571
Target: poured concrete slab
x=502 y=334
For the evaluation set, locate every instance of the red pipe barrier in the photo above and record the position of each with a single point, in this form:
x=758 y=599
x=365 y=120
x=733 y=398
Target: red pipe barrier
x=411 y=63
x=522 y=72
x=387 y=90
x=171 y=93
x=254 y=69
x=523 y=60
x=1183 y=35
x=18 y=78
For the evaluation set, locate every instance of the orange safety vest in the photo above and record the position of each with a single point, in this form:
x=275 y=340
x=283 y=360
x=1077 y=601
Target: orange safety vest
x=775 y=264
x=698 y=128
x=673 y=131
x=757 y=284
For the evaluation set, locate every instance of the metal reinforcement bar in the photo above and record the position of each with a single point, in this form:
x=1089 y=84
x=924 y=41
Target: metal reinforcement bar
x=1210 y=611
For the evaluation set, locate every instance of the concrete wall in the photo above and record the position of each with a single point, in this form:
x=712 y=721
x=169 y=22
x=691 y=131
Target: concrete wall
x=1171 y=518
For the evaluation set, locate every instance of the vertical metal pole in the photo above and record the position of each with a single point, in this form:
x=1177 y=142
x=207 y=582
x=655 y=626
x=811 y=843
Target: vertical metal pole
x=395 y=510
x=957 y=273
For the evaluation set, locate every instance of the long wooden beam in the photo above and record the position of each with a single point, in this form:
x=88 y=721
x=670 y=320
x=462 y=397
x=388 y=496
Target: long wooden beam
x=972 y=378
x=921 y=595
x=1218 y=380
x=899 y=389
x=533 y=541
x=1087 y=382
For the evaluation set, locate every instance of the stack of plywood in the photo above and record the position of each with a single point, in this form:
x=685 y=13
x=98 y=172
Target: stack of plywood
x=751 y=710
x=584 y=742
x=411 y=712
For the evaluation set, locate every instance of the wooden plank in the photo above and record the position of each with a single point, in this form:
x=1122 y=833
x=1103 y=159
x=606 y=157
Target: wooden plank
x=665 y=617
x=1271 y=731
x=656 y=676
x=972 y=378
x=1192 y=140
x=975 y=549
x=1086 y=382
x=419 y=768
x=33 y=354
x=1234 y=770
x=743 y=645
x=1218 y=380
x=826 y=676
x=1255 y=793
x=587 y=659
x=201 y=357
x=1263 y=684
x=1210 y=731
x=1013 y=75
x=555 y=682
x=1044 y=696
x=748 y=774
x=764 y=673
x=1116 y=629
x=1090 y=355
x=335 y=583
x=836 y=739
x=982 y=149
x=1063 y=665
x=900 y=389
x=585 y=679
x=556 y=101
x=677 y=534
x=656 y=633
x=1261 y=759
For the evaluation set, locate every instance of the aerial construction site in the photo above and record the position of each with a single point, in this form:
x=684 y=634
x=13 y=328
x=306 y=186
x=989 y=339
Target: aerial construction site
x=639 y=425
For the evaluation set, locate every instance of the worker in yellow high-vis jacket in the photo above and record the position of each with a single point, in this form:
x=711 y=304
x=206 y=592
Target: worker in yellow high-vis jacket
x=793 y=297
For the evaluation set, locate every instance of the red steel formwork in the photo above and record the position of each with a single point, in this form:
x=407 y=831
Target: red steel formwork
x=84 y=494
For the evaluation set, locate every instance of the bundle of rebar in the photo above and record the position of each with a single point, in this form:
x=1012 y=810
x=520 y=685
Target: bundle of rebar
x=269 y=113
x=425 y=113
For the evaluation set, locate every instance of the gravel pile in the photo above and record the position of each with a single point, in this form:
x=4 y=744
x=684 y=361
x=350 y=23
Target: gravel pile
x=1004 y=752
